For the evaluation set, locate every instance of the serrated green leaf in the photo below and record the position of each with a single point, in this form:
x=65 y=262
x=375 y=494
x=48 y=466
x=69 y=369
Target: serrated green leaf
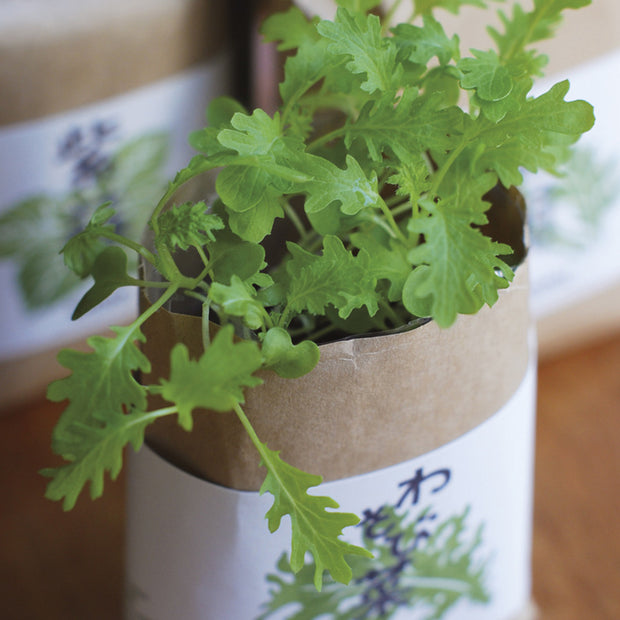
x=458 y=267
x=285 y=358
x=330 y=183
x=107 y=370
x=101 y=450
x=422 y=43
x=94 y=419
x=251 y=134
x=314 y=528
x=109 y=273
x=214 y=381
x=412 y=178
x=526 y=137
x=336 y=277
x=412 y=127
x=304 y=69
x=487 y=75
x=360 y=40
x=388 y=261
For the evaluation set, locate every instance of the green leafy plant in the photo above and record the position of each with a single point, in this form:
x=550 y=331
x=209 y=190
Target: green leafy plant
x=383 y=173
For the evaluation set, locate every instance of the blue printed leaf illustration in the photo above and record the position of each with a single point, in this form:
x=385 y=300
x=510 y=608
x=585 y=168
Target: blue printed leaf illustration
x=34 y=231
x=418 y=564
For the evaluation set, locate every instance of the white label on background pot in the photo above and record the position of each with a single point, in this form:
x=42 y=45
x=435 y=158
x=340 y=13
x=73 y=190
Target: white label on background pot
x=55 y=171
x=574 y=219
x=451 y=531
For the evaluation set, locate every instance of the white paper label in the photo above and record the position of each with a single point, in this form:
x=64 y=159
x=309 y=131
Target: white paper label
x=55 y=171
x=574 y=220
x=451 y=529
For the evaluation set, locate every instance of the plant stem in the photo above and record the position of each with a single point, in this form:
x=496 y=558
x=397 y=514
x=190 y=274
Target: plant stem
x=295 y=219
x=150 y=284
x=391 y=221
x=140 y=249
x=328 y=137
x=249 y=429
x=154 y=307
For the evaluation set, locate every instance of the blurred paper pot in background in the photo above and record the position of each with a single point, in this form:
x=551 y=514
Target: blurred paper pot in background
x=338 y=288
x=89 y=114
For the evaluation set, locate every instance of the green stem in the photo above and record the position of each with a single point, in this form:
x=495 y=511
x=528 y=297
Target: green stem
x=443 y=170
x=203 y=256
x=328 y=137
x=155 y=306
x=140 y=249
x=391 y=313
x=296 y=221
x=150 y=284
x=391 y=221
x=401 y=208
x=249 y=429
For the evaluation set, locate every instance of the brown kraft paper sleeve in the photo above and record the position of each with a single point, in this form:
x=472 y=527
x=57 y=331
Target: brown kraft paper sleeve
x=370 y=403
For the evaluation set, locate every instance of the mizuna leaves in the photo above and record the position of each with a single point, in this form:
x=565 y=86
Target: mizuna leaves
x=314 y=528
x=100 y=420
x=214 y=381
x=374 y=173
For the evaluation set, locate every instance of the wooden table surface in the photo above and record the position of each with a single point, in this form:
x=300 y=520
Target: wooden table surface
x=69 y=566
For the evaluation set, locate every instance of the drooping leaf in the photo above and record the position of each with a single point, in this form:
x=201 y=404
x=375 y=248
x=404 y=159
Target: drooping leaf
x=98 y=449
x=214 y=381
x=93 y=428
x=108 y=371
x=314 y=528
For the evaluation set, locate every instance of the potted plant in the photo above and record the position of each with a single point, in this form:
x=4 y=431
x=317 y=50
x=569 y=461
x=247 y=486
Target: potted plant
x=340 y=261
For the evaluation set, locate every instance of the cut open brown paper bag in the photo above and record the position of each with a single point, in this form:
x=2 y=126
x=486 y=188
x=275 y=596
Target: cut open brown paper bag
x=371 y=402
